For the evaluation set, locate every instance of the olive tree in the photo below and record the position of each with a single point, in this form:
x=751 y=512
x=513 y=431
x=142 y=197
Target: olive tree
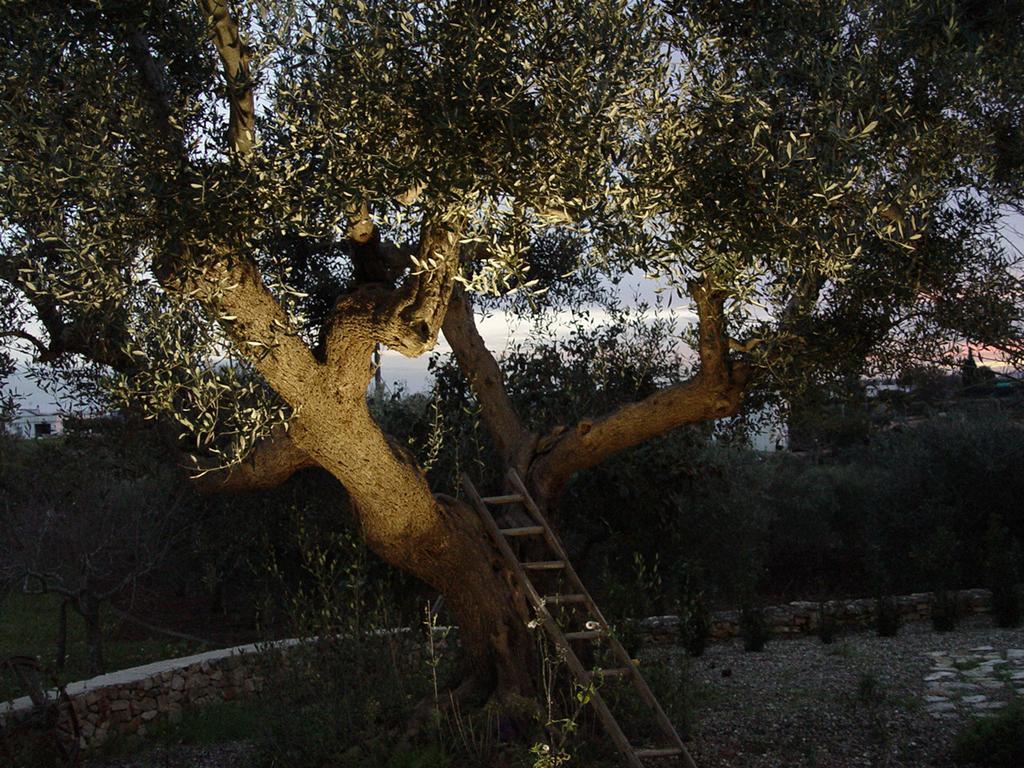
x=232 y=207
x=87 y=525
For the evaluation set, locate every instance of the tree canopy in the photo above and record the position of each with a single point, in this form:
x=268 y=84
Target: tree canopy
x=229 y=207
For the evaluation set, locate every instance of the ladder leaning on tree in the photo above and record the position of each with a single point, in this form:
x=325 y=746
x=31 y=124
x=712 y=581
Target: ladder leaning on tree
x=596 y=629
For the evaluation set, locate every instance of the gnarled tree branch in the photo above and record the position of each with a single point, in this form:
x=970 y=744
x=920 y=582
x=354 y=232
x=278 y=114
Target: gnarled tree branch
x=274 y=459
x=235 y=55
x=101 y=343
x=43 y=349
x=480 y=368
x=714 y=392
x=406 y=319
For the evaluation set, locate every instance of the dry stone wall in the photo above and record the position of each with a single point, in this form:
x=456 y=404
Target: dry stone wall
x=804 y=618
x=128 y=702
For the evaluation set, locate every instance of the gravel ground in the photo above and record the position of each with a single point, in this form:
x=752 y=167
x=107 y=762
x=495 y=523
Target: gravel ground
x=859 y=701
x=230 y=755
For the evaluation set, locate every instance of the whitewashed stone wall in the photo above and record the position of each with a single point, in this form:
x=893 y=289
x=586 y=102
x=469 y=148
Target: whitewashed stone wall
x=127 y=702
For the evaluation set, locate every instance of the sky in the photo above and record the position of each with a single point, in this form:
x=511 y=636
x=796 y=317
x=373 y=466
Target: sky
x=497 y=329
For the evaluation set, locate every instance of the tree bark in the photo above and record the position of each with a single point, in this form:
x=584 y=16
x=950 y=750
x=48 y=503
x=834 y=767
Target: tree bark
x=437 y=540
x=514 y=443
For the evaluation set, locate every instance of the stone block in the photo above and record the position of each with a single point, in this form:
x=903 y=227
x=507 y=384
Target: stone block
x=197 y=680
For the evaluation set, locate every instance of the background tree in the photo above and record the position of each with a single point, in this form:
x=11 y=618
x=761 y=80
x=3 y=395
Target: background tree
x=86 y=523
x=820 y=181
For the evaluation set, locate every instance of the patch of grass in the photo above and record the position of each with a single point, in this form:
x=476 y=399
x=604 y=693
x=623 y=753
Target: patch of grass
x=215 y=724
x=28 y=627
x=241 y=720
x=869 y=690
x=965 y=665
x=430 y=756
x=842 y=650
x=994 y=741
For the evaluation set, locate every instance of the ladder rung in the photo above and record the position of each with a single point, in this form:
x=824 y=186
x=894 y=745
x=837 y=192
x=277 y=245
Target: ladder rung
x=595 y=629
x=559 y=599
x=666 y=752
x=614 y=672
x=590 y=634
x=513 y=498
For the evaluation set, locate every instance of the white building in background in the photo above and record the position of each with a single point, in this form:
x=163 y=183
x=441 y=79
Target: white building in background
x=31 y=423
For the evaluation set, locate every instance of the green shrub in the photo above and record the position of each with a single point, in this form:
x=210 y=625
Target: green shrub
x=994 y=741
x=1003 y=571
x=339 y=698
x=887 y=616
x=945 y=610
x=827 y=624
x=695 y=628
x=1006 y=605
x=753 y=628
x=214 y=724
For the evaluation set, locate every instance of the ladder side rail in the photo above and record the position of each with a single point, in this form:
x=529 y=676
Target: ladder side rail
x=607 y=718
x=556 y=546
x=549 y=624
x=492 y=529
x=534 y=597
x=637 y=678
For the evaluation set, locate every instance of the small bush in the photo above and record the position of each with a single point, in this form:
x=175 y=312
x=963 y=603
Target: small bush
x=318 y=720
x=887 y=616
x=995 y=741
x=214 y=724
x=945 y=610
x=1006 y=606
x=869 y=691
x=695 y=629
x=1003 y=571
x=753 y=628
x=628 y=633
x=827 y=624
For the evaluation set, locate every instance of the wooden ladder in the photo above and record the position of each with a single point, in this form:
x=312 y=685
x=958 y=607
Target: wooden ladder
x=596 y=629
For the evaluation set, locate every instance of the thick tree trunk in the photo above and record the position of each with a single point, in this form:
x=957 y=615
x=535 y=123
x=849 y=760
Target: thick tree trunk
x=438 y=540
